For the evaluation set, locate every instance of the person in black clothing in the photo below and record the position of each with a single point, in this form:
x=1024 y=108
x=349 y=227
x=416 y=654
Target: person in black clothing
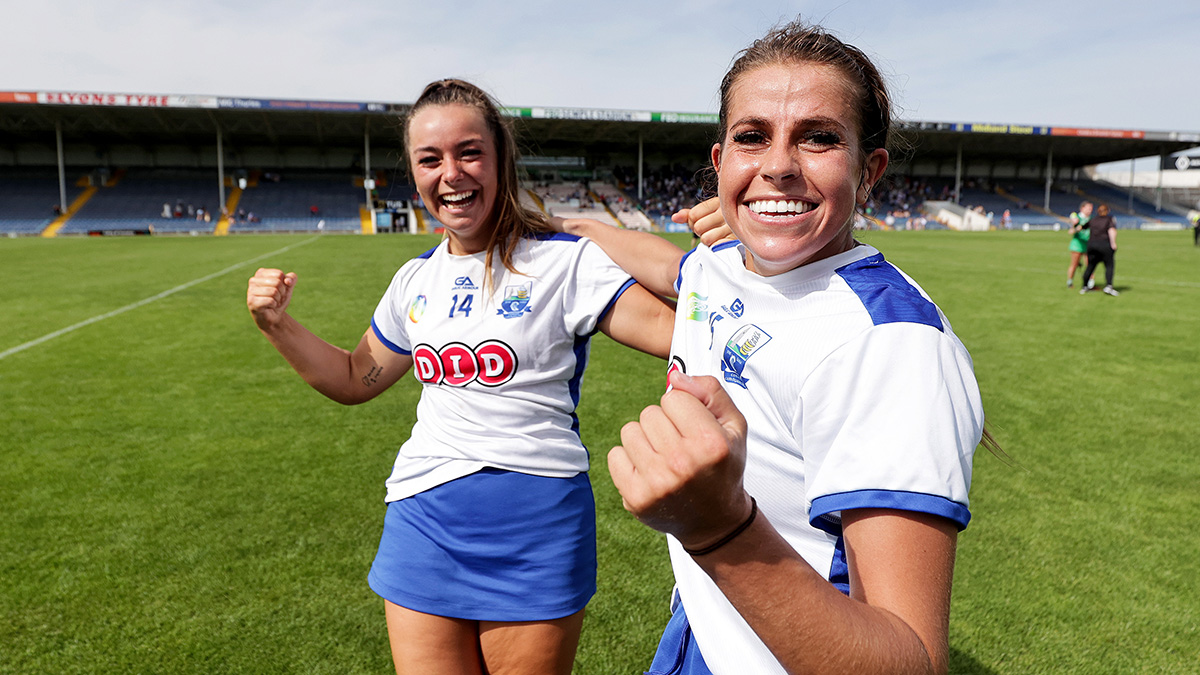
x=1102 y=247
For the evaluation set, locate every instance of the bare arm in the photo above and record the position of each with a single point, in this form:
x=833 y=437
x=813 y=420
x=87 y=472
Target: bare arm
x=642 y=321
x=650 y=259
x=679 y=470
x=344 y=376
x=896 y=619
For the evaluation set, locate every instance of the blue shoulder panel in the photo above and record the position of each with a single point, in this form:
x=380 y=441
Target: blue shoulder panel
x=886 y=294
x=554 y=236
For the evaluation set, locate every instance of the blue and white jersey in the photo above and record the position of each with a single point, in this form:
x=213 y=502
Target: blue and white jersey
x=501 y=369
x=857 y=394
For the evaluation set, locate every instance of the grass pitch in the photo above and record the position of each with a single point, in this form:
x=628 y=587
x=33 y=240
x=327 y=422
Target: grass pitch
x=175 y=499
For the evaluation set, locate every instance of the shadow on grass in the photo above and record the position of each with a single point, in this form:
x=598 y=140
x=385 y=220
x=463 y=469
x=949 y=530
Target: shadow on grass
x=962 y=663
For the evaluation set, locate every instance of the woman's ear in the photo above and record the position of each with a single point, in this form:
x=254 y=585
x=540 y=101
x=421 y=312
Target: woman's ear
x=872 y=171
x=716 y=157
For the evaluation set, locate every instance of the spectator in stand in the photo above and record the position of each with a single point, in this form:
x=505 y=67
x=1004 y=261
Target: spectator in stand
x=1101 y=248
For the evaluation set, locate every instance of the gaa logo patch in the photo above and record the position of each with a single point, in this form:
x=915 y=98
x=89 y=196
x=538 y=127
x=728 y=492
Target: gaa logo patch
x=490 y=363
x=747 y=340
x=516 y=301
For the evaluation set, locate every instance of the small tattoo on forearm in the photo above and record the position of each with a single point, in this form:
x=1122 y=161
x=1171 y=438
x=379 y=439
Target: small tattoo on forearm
x=372 y=376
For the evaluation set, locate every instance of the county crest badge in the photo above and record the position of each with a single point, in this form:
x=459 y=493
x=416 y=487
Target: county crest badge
x=747 y=340
x=516 y=301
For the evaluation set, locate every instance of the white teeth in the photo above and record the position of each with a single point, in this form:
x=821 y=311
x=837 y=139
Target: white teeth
x=458 y=196
x=790 y=206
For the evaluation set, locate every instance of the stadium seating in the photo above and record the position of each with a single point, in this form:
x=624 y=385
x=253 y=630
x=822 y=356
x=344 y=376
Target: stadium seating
x=285 y=201
x=142 y=199
x=573 y=200
x=28 y=197
x=172 y=200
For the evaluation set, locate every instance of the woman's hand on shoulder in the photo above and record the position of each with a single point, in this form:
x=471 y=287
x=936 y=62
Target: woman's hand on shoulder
x=268 y=295
x=706 y=221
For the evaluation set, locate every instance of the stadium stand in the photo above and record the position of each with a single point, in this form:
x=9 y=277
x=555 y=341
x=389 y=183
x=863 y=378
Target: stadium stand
x=573 y=200
x=29 y=197
x=162 y=200
x=665 y=190
x=299 y=201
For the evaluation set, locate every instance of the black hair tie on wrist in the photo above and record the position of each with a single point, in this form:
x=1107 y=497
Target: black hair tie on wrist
x=729 y=537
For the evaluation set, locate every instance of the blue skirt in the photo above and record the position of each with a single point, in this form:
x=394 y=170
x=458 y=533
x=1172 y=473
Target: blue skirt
x=492 y=546
x=677 y=652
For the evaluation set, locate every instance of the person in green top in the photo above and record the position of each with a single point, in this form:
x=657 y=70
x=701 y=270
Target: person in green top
x=1079 y=239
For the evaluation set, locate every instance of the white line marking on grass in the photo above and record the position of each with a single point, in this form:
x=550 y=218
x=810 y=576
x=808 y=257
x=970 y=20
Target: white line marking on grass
x=145 y=301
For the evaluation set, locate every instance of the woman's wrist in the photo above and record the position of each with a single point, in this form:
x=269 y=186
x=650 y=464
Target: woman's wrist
x=728 y=537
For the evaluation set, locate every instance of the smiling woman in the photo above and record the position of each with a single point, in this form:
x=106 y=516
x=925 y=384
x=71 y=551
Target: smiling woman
x=811 y=460
x=488 y=552
x=791 y=165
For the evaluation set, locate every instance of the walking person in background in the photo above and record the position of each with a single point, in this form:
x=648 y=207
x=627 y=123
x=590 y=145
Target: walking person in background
x=488 y=552
x=1101 y=248
x=1079 y=238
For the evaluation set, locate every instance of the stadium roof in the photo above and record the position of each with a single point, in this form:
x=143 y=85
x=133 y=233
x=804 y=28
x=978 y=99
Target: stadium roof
x=102 y=119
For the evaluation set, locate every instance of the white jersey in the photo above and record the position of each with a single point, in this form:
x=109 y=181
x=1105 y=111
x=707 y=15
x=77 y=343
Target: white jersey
x=501 y=369
x=856 y=393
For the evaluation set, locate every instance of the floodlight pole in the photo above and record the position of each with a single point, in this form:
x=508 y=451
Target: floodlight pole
x=368 y=183
x=220 y=172
x=1131 y=174
x=1049 y=176
x=958 y=176
x=62 y=169
x=1162 y=159
x=639 y=168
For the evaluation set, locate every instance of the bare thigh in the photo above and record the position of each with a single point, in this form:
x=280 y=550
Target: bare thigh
x=530 y=647
x=426 y=644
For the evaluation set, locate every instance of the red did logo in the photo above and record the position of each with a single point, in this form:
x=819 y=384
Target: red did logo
x=490 y=363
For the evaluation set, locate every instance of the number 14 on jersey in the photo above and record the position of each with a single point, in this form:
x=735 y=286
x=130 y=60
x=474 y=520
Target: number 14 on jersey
x=463 y=308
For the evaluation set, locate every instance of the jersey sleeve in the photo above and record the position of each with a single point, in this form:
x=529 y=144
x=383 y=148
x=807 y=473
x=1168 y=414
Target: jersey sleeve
x=388 y=320
x=682 y=265
x=891 y=420
x=596 y=284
